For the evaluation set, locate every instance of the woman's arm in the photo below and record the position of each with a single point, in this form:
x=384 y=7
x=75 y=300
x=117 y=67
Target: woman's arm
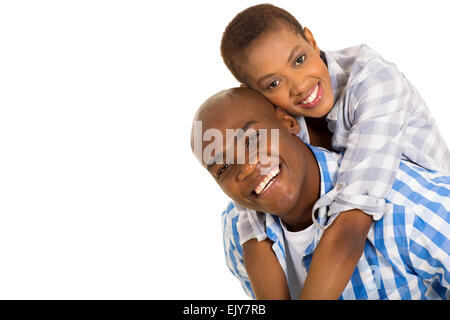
x=377 y=111
x=336 y=256
x=264 y=271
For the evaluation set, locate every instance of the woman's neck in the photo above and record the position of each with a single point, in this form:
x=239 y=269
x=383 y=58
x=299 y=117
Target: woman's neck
x=319 y=135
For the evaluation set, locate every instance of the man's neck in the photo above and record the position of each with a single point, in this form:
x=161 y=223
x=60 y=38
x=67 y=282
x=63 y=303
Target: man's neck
x=300 y=216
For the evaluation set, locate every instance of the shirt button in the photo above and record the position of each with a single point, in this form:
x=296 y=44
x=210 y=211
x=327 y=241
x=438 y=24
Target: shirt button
x=339 y=186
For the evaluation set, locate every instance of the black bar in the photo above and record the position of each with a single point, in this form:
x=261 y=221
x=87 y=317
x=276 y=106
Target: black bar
x=214 y=309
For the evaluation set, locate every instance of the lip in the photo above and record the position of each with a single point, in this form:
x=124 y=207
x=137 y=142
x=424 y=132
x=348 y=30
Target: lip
x=315 y=102
x=273 y=185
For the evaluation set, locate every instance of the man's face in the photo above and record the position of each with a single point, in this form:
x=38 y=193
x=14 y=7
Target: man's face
x=288 y=71
x=277 y=188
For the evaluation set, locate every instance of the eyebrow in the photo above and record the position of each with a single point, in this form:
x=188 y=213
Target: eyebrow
x=293 y=52
x=248 y=124
x=220 y=155
x=291 y=55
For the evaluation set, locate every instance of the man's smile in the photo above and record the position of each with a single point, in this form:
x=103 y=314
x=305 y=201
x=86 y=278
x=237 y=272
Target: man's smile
x=267 y=181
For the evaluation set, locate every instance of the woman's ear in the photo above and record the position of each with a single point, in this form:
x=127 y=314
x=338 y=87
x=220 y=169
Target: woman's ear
x=310 y=38
x=287 y=120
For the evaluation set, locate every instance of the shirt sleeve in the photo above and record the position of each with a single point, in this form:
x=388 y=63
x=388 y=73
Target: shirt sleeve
x=377 y=110
x=233 y=248
x=250 y=225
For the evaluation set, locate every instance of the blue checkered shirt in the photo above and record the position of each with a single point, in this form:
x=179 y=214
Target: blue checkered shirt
x=406 y=255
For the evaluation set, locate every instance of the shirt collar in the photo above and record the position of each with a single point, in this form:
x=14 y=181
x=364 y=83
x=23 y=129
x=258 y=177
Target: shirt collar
x=328 y=165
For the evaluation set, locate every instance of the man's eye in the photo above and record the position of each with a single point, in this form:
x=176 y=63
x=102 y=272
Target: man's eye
x=252 y=139
x=300 y=60
x=274 y=84
x=222 y=169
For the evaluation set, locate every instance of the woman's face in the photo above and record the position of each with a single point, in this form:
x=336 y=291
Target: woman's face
x=289 y=71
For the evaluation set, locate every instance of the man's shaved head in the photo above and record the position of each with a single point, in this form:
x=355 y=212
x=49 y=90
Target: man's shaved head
x=228 y=100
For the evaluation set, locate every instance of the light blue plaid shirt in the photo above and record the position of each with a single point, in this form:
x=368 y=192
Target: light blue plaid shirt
x=378 y=118
x=406 y=255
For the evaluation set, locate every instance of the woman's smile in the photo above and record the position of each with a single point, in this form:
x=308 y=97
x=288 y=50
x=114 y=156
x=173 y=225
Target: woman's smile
x=313 y=98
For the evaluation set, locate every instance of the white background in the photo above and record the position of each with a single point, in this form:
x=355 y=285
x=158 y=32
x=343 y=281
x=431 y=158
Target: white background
x=100 y=196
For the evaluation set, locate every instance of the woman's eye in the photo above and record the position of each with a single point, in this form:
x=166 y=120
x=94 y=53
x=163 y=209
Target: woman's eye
x=222 y=169
x=274 y=84
x=300 y=60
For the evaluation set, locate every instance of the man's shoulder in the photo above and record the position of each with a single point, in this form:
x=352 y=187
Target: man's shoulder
x=230 y=209
x=229 y=219
x=232 y=234
x=419 y=201
x=232 y=248
x=426 y=191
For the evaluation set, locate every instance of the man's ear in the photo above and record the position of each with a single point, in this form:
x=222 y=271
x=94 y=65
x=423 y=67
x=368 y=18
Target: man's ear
x=288 y=121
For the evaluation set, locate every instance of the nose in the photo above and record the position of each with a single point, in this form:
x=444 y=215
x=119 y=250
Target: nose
x=246 y=170
x=298 y=86
x=250 y=164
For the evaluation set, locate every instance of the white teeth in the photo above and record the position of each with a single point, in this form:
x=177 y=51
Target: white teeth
x=312 y=96
x=263 y=185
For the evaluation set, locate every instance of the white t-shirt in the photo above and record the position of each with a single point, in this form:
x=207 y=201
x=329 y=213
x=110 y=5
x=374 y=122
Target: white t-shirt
x=296 y=244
